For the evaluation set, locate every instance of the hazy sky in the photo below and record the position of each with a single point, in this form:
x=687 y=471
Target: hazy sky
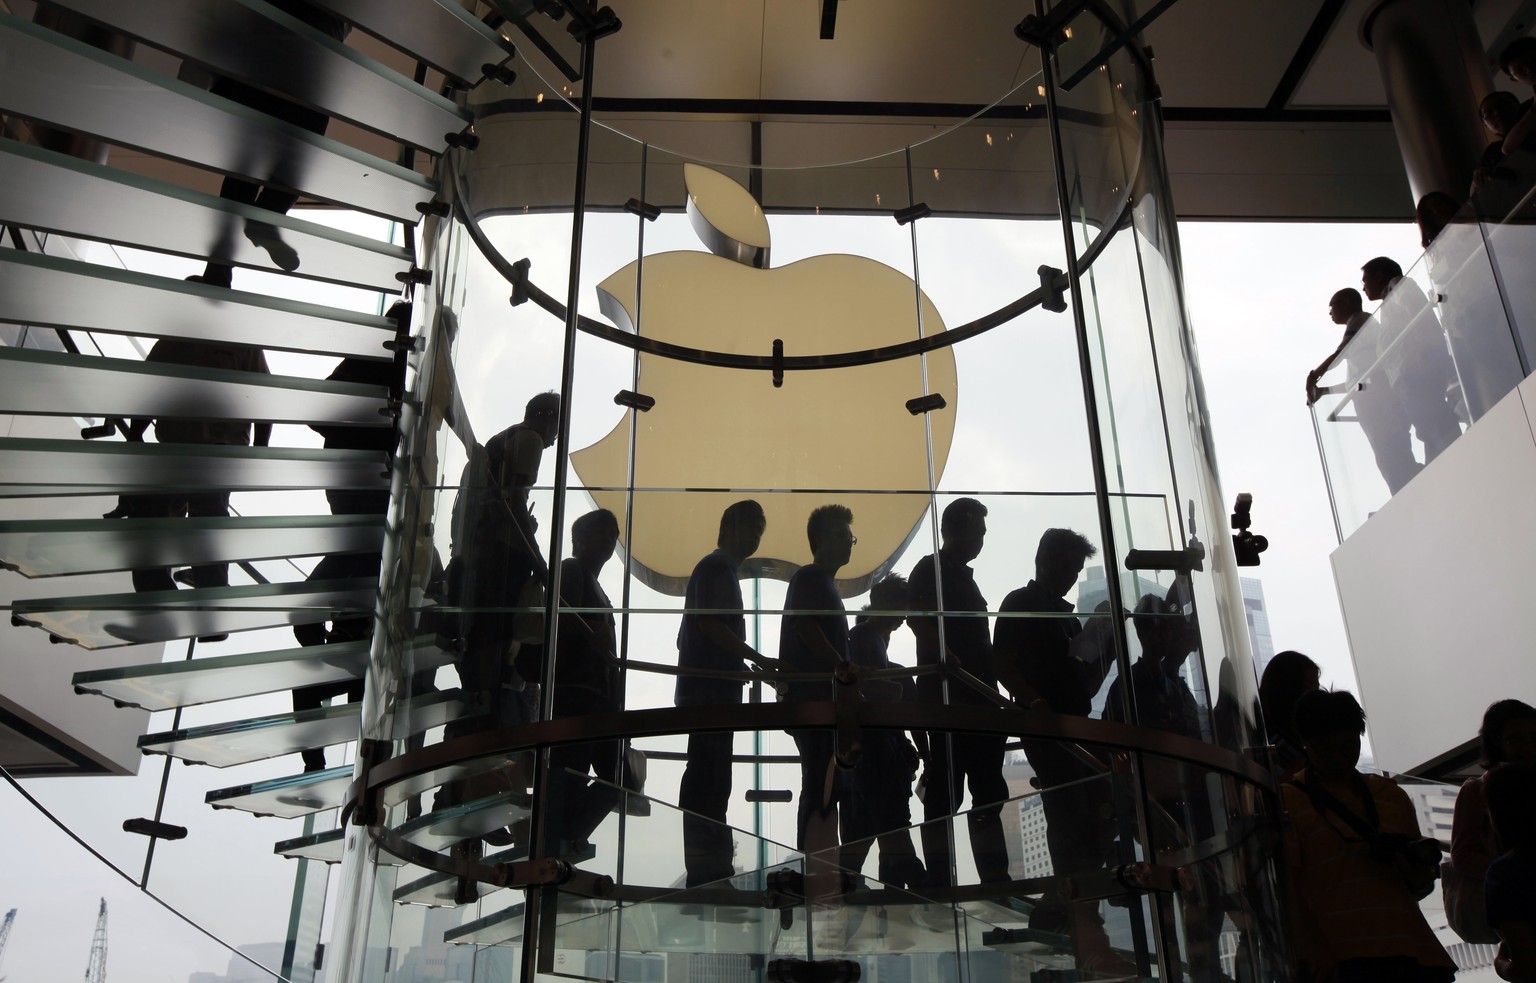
x=1260 y=321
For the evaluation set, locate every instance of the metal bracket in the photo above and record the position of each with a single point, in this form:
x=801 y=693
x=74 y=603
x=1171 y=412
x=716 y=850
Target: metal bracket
x=1053 y=282
x=910 y=214
x=415 y=275
x=919 y=405
x=634 y=400
x=436 y=206
x=643 y=209
x=464 y=140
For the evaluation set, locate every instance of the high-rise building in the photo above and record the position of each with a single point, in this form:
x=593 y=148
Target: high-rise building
x=874 y=256
x=1258 y=622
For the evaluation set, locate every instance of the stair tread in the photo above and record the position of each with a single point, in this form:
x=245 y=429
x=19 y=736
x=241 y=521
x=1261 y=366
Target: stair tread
x=110 y=620
x=243 y=741
x=51 y=291
x=58 y=80
x=53 y=192
x=59 y=547
x=167 y=685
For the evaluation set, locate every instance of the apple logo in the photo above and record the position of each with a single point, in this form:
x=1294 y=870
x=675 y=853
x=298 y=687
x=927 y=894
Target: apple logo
x=718 y=435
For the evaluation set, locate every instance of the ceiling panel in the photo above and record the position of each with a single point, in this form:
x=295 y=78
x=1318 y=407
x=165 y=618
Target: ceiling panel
x=1344 y=73
x=1227 y=53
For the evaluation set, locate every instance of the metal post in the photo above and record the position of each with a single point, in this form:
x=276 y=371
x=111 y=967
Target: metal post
x=1090 y=408
x=536 y=816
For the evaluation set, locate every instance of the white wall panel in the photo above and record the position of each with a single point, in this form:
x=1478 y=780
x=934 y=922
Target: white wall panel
x=1436 y=591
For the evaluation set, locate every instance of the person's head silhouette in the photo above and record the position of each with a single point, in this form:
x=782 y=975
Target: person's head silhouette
x=1059 y=559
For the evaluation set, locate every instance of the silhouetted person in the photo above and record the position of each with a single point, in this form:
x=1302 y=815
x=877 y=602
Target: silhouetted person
x=342 y=566
x=964 y=644
x=1163 y=701
x=495 y=555
x=1376 y=405
x=1511 y=881
x=586 y=681
x=877 y=792
x=814 y=638
x=371 y=372
x=1508 y=735
x=1355 y=914
x=1034 y=661
x=187 y=430
x=271 y=198
x=1413 y=356
x=1287 y=676
x=713 y=637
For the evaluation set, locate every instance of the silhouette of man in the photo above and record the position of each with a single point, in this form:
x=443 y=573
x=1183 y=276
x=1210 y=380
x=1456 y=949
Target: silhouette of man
x=586 y=679
x=372 y=372
x=1414 y=358
x=713 y=637
x=272 y=198
x=340 y=566
x=1034 y=661
x=495 y=554
x=877 y=793
x=955 y=760
x=1376 y=405
x=188 y=430
x=813 y=637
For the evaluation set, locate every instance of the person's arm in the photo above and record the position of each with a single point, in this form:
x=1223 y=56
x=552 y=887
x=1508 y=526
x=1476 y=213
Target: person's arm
x=1520 y=131
x=1471 y=837
x=1321 y=370
x=1516 y=960
x=815 y=642
x=720 y=636
x=1008 y=653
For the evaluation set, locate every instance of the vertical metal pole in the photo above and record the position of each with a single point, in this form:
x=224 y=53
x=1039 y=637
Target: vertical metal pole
x=532 y=943
x=165 y=778
x=1090 y=410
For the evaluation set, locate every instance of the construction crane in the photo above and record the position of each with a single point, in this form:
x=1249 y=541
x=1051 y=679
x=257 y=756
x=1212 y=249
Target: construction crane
x=96 y=971
x=5 y=933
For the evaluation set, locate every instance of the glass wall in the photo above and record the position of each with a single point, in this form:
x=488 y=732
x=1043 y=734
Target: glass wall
x=830 y=561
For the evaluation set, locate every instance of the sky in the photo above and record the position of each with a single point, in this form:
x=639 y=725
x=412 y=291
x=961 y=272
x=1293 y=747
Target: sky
x=1259 y=317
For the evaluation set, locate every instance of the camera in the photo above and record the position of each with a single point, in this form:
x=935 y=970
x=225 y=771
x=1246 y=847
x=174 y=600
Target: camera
x=1245 y=544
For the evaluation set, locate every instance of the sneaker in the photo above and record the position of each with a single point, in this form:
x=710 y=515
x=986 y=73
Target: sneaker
x=267 y=237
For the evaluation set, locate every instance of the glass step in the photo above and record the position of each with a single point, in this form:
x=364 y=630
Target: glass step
x=55 y=292
x=54 y=192
x=441 y=828
x=110 y=620
x=52 y=468
x=443 y=35
x=436 y=889
x=59 y=547
x=167 y=685
x=242 y=741
x=55 y=79
x=504 y=927
x=62 y=384
x=253 y=49
x=288 y=797
x=327 y=846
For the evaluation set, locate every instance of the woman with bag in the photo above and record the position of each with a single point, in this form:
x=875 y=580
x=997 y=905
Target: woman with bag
x=1508 y=735
x=1357 y=864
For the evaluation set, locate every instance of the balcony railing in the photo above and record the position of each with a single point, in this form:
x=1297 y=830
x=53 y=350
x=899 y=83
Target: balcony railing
x=1447 y=343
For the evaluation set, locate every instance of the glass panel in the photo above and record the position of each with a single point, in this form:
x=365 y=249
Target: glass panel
x=67 y=83
x=49 y=468
x=46 y=290
x=50 y=548
x=1461 y=285
x=107 y=620
x=56 y=193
